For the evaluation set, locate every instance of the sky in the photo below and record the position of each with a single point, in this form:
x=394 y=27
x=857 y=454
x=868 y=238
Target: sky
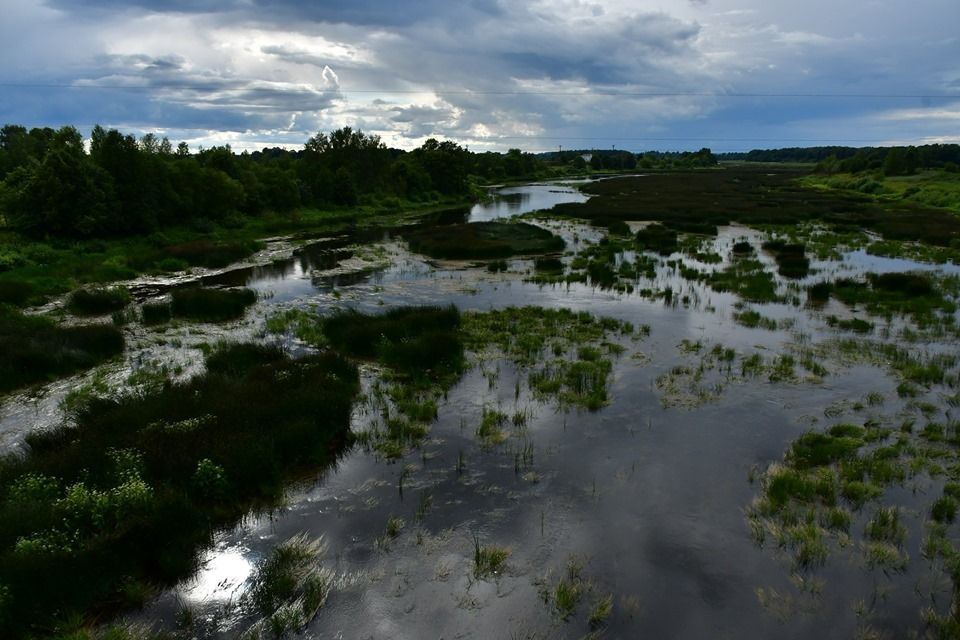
x=538 y=75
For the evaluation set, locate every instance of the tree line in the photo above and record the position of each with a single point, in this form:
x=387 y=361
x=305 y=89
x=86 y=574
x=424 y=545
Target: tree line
x=619 y=160
x=54 y=184
x=892 y=161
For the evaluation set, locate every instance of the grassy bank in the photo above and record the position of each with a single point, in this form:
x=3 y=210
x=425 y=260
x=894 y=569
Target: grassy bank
x=31 y=271
x=930 y=188
x=122 y=498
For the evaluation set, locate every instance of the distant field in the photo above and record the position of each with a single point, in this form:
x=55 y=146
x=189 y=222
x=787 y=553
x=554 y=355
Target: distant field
x=760 y=195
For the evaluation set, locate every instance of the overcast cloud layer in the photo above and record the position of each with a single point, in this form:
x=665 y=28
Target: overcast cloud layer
x=490 y=74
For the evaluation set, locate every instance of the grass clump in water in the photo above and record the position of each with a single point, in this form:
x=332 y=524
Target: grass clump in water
x=483 y=240
x=600 y=612
x=211 y=305
x=747 y=278
x=887 y=294
x=417 y=342
x=657 y=238
x=944 y=509
x=289 y=572
x=856 y=325
x=885 y=526
x=577 y=373
x=791 y=258
x=96 y=301
x=569 y=590
x=814 y=449
x=552 y=266
x=33 y=349
x=491 y=430
x=488 y=560
x=753 y=319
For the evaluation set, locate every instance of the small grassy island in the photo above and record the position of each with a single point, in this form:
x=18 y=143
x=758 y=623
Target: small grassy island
x=483 y=240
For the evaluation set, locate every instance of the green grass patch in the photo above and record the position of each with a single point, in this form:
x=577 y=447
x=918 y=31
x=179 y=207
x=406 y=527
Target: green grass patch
x=483 y=240
x=290 y=585
x=204 y=253
x=417 y=342
x=754 y=195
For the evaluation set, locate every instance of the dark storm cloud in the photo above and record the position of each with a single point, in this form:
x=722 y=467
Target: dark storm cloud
x=383 y=13
x=358 y=12
x=87 y=7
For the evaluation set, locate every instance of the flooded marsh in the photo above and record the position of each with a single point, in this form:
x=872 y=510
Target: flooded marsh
x=725 y=431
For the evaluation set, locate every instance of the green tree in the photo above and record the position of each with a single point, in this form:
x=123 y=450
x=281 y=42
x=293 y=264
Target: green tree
x=64 y=194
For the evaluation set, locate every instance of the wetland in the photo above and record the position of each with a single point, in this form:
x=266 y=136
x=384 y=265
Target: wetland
x=673 y=405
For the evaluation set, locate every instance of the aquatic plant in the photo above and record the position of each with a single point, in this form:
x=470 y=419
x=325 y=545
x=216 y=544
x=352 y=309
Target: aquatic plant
x=491 y=430
x=290 y=586
x=752 y=319
x=394 y=527
x=488 y=560
x=600 y=612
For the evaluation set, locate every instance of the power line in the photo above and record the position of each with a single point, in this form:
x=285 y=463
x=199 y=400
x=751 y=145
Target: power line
x=470 y=92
